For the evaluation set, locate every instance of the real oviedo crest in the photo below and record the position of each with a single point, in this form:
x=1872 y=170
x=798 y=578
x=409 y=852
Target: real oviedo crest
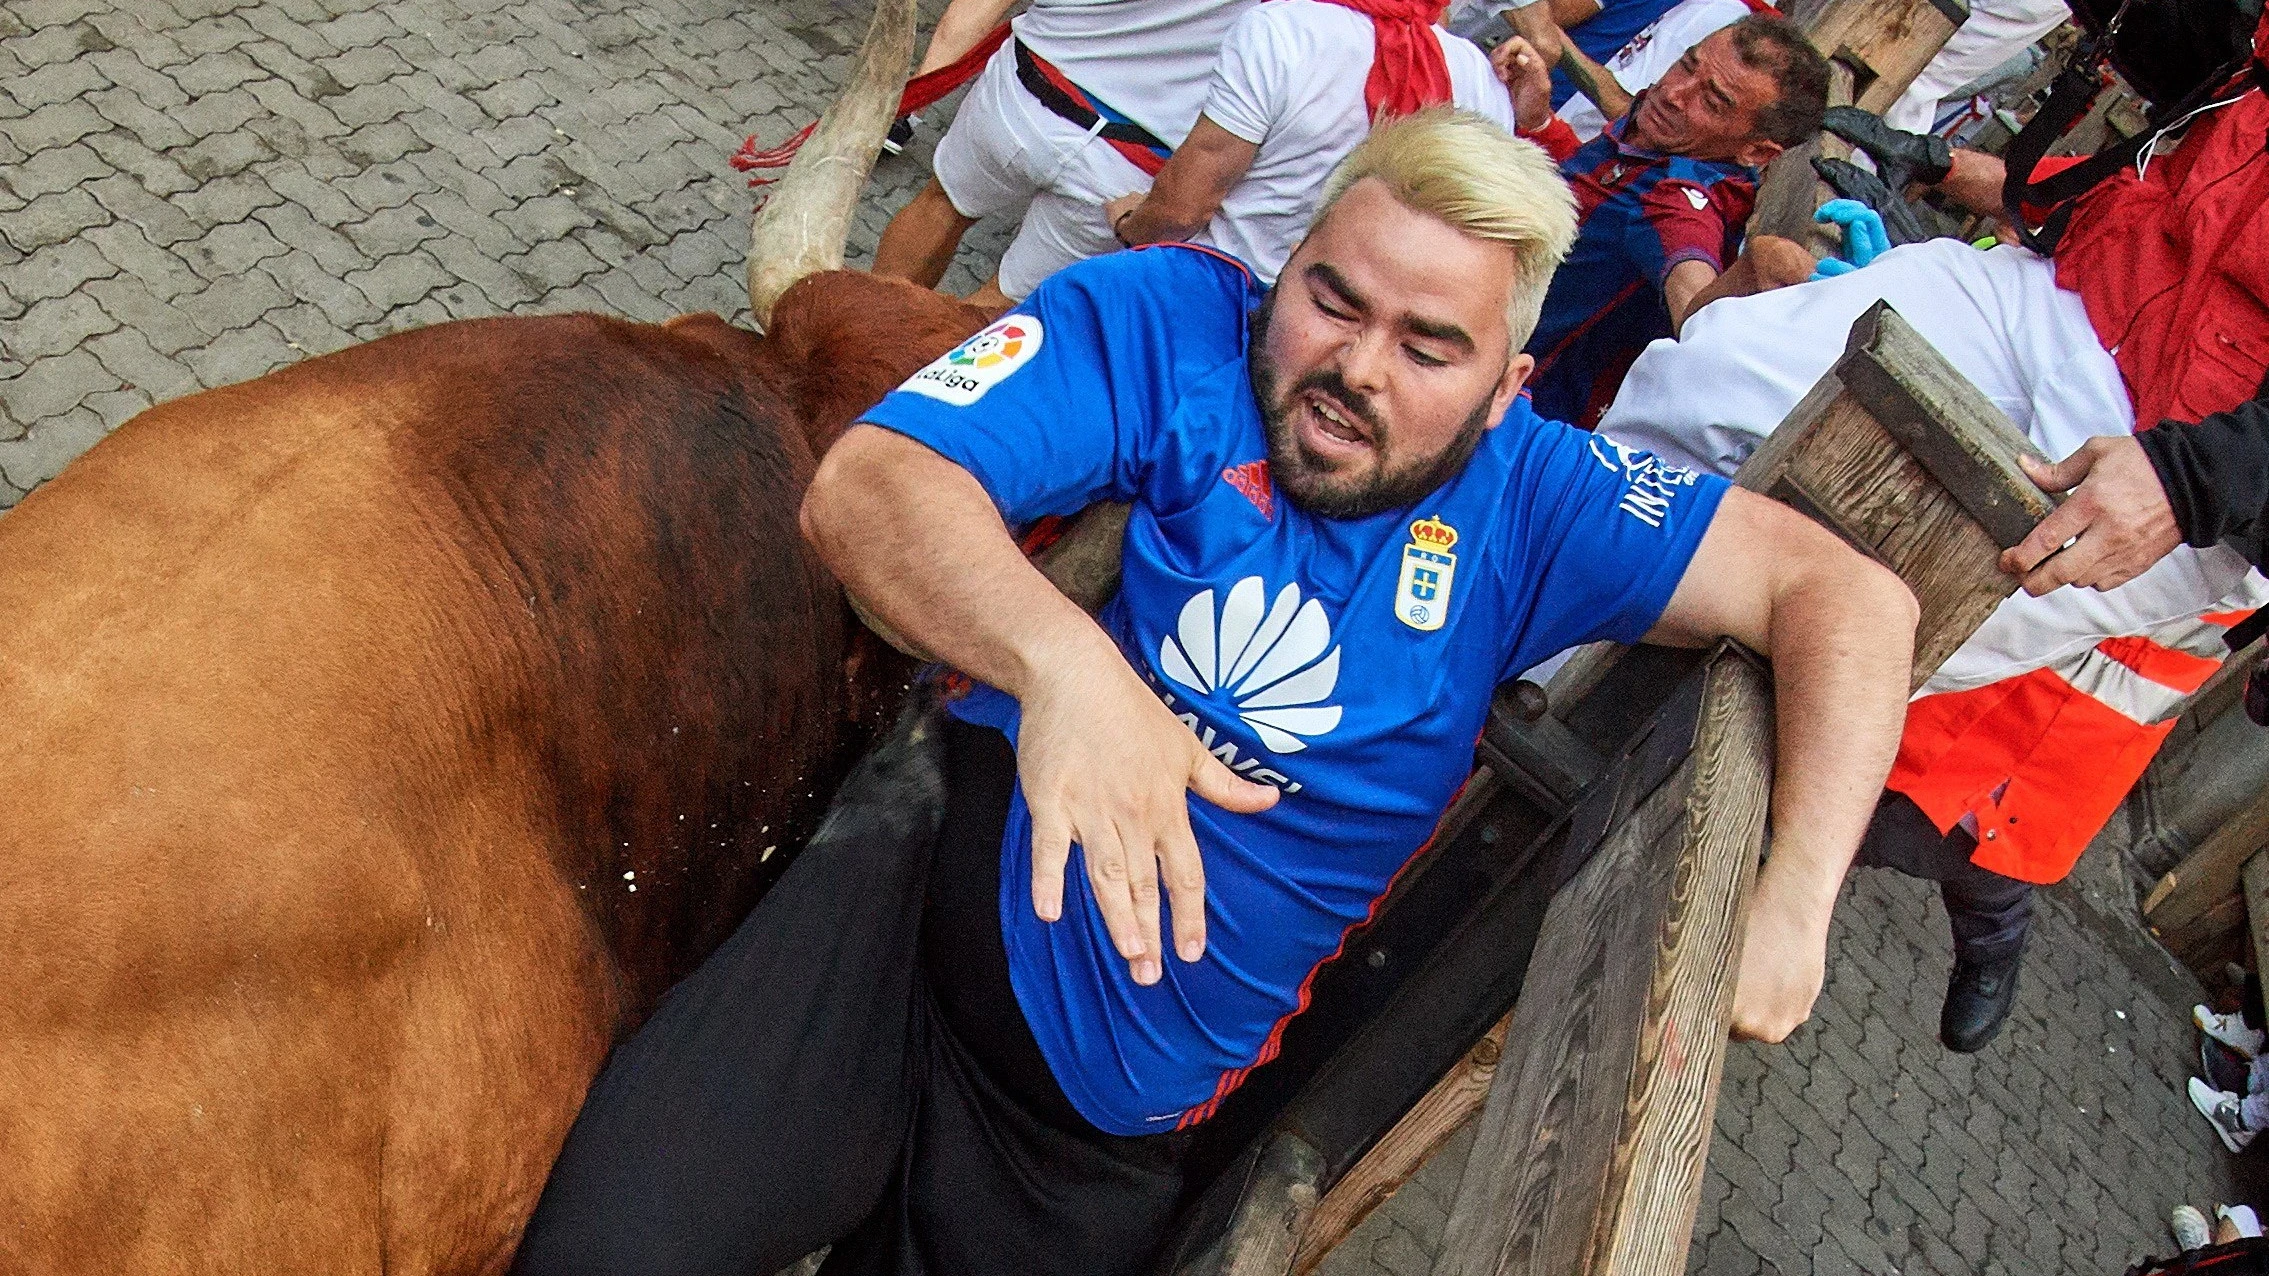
x=1422 y=596
x=963 y=374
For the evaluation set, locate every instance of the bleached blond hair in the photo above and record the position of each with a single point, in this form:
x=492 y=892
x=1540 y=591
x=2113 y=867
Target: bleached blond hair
x=1474 y=176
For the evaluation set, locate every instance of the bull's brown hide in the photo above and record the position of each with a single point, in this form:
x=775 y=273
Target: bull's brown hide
x=340 y=709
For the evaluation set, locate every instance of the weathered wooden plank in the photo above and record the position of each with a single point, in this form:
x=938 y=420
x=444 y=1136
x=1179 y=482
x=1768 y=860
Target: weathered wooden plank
x=1589 y=1152
x=1273 y=1209
x=1898 y=453
x=2212 y=937
x=1886 y=43
x=2210 y=875
x=1875 y=49
x=1966 y=443
x=1445 y=1110
x=2256 y=877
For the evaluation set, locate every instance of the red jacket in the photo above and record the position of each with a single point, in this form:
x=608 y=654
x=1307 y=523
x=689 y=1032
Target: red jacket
x=2174 y=269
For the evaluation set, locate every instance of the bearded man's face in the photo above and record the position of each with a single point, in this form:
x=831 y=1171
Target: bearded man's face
x=1382 y=355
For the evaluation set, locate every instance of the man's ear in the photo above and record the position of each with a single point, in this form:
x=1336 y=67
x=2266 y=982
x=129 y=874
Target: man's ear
x=1517 y=370
x=1758 y=153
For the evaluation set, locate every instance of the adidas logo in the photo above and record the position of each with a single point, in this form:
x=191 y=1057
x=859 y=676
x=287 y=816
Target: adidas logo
x=1273 y=666
x=1251 y=479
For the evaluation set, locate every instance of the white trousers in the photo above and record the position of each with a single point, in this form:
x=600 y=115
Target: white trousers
x=1708 y=399
x=1005 y=153
x=1996 y=31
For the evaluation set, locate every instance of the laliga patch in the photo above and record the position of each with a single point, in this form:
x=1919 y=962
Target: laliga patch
x=963 y=374
x=1422 y=596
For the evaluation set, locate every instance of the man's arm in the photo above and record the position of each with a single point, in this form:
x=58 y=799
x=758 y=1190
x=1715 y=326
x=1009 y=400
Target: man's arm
x=1188 y=190
x=959 y=28
x=2133 y=499
x=1839 y=630
x=1568 y=13
x=1766 y=262
x=1527 y=78
x=1542 y=26
x=2214 y=474
x=1102 y=763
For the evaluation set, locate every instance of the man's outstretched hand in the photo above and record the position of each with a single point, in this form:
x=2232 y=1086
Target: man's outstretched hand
x=2115 y=524
x=1784 y=960
x=1527 y=77
x=1104 y=764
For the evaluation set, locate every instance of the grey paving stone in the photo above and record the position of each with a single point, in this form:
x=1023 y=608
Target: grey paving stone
x=56 y=169
x=54 y=327
x=400 y=281
x=51 y=219
x=48 y=444
x=123 y=151
x=128 y=355
x=59 y=269
x=218 y=112
x=58 y=82
x=57 y=124
x=51 y=387
x=305 y=278
x=230 y=304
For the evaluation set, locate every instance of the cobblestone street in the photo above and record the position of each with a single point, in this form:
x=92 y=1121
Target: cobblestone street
x=194 y=192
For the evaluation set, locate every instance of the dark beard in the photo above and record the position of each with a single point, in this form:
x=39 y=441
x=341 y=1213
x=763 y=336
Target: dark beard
x=1319 y=491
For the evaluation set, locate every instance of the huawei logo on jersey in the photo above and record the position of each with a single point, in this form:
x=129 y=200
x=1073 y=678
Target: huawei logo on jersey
x=1274 y=661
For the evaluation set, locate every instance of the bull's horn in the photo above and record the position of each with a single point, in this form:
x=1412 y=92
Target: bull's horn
x=801 y=228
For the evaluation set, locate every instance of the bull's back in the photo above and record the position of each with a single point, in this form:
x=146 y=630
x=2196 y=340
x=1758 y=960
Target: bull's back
x=347 y=708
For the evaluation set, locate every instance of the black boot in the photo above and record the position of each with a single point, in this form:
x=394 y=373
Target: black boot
x=1978 y=999
x=1900 y=157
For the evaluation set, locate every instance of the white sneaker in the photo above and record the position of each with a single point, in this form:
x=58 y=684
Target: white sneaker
x=2240 y=1217
x=2188 y=1224
x=2230 y=1030
x=2220 y=1108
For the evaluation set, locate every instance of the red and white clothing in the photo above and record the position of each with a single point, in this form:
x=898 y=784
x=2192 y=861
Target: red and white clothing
x=1290 y=79
x=1148 y=61
x=2156 y=306
x=1653 y=51
x=1995 y=31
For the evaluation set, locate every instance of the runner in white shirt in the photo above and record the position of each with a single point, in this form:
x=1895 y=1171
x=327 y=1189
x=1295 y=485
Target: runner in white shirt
x=1287 y=102
x=1995 y=31
x=1122 y=69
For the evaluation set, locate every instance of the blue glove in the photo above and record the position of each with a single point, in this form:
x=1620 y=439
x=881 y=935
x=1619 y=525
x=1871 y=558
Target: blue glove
x=1864 y=236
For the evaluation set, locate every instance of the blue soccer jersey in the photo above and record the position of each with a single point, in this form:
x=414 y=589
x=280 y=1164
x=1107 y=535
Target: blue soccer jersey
x=1348 y=662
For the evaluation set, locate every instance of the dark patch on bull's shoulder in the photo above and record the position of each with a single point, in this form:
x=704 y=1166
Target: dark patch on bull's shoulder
x=627 y=494
x=846 y=339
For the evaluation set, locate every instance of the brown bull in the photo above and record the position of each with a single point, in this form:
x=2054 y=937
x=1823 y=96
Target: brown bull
x=384 y=736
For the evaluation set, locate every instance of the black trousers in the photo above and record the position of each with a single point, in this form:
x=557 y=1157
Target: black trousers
x=1990 y=913
x=851 y=1068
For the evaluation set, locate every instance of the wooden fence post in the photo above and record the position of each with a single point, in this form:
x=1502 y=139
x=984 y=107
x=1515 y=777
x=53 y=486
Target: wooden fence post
x=1601 y=1103
x=1875 y=49
x=1608 y=1085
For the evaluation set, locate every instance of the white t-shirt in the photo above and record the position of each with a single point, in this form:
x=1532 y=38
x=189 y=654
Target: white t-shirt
x=1290 y=80
x=1149 y=60
x=1653 y=51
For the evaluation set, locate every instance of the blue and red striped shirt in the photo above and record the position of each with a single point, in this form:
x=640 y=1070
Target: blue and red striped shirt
x=1642 y=213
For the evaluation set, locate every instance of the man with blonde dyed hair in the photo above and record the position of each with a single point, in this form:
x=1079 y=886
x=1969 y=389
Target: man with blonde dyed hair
x=978 y=1053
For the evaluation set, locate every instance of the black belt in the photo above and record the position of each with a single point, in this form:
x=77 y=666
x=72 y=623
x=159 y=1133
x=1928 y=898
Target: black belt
x=1053 y=96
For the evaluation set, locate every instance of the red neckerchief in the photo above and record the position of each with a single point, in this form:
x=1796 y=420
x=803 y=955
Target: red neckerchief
x=1408 y=72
